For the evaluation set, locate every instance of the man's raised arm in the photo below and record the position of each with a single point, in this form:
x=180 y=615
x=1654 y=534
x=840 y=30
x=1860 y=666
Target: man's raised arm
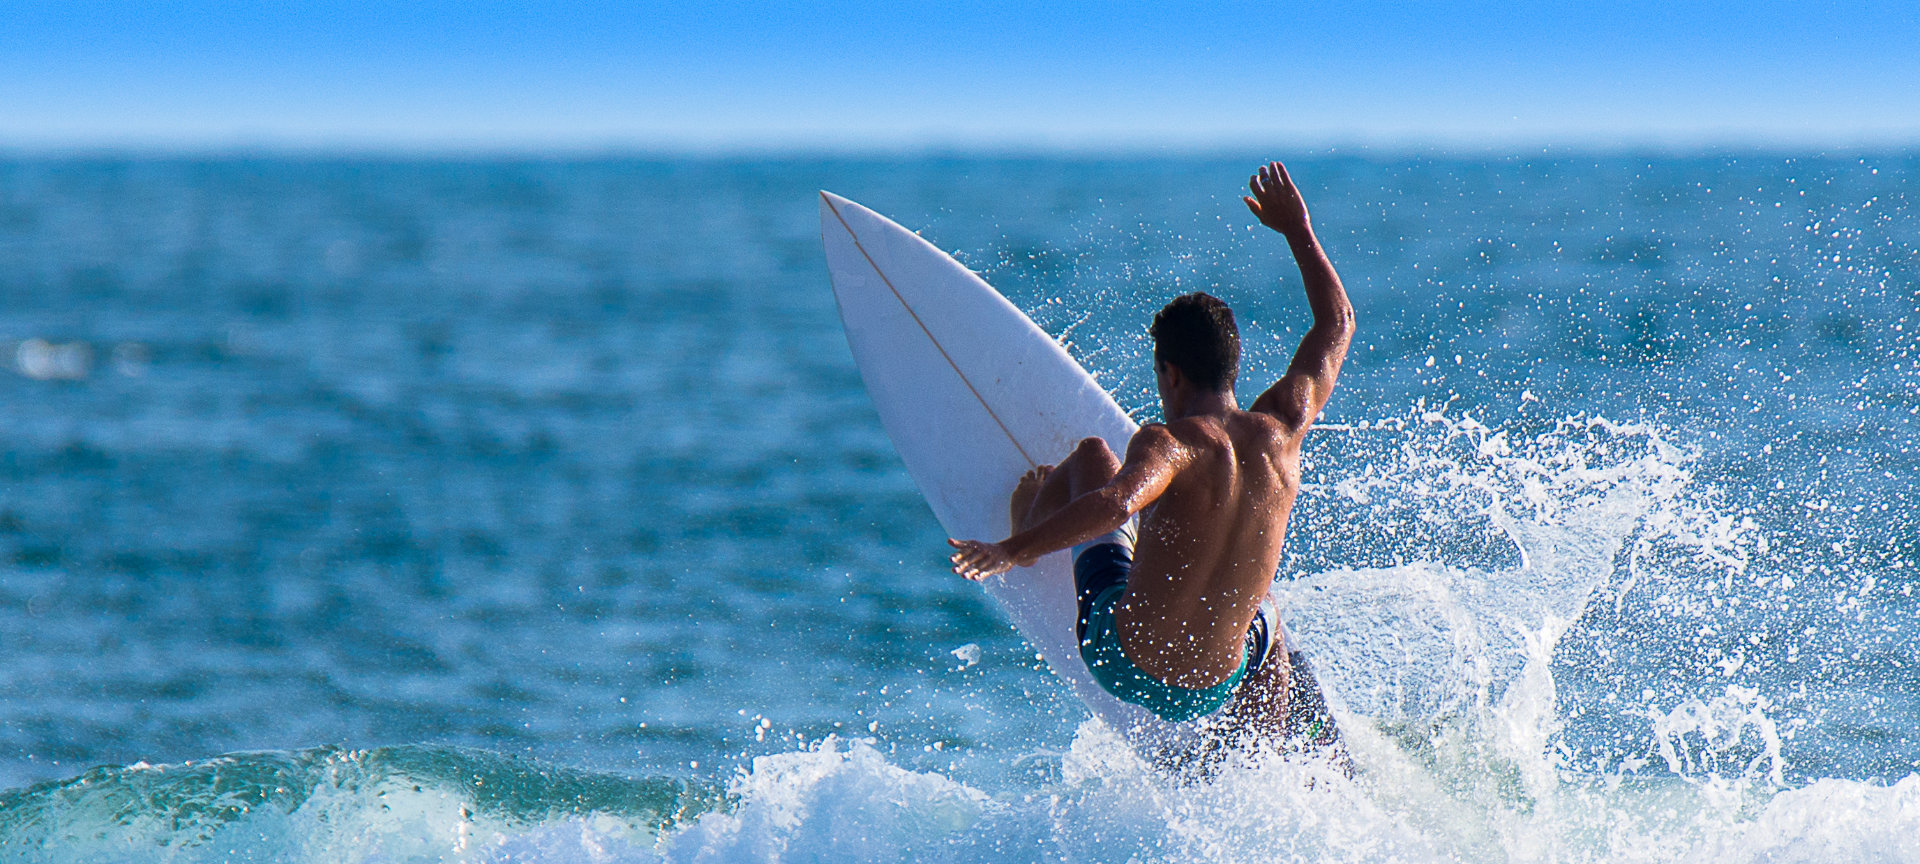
x=1300 y=394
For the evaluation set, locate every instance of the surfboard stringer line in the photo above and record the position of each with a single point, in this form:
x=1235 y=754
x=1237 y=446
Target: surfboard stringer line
x=923 y=328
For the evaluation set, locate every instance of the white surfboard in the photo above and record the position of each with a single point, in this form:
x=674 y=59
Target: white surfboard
x=973 y=394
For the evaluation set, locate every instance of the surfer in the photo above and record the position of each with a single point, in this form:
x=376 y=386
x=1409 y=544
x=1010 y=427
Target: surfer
x=1175 y=546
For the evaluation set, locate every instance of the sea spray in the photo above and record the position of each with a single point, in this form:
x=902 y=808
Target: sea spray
x=1493 y=549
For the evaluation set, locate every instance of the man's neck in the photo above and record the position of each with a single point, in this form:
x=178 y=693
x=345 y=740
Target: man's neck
x=1202 y=403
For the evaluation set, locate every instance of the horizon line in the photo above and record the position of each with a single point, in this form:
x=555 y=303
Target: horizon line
x=1441 y=147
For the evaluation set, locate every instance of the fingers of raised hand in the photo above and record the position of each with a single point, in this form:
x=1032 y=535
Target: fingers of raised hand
x=1274 y=176
x=1270 y=183
x=1265 y=190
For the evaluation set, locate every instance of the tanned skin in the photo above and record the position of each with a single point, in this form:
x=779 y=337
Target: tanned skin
x=1214 y=487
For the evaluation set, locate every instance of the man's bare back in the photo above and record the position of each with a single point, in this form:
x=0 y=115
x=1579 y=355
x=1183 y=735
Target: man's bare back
x=1213 y=488
x=1209 y=545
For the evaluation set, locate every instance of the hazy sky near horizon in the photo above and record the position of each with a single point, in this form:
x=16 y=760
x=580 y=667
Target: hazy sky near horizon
x=880 y=75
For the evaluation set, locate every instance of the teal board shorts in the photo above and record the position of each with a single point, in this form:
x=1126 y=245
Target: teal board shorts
x=1100 y=571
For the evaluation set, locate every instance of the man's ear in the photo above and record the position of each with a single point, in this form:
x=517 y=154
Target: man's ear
x=1169 y=373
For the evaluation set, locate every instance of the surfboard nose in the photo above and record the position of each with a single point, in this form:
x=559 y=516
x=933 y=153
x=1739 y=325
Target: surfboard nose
x=827 y=211
x=834 y=211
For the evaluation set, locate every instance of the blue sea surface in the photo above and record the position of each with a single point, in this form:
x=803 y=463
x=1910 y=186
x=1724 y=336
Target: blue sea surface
x=360 y=509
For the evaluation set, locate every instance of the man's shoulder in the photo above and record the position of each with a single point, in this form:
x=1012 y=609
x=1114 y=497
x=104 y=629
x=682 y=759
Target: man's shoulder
x=1185 y=427
x=1154 y=434
x=1262 y=430
x=1236 y=432
x=1200 y=433
x=1167 y=439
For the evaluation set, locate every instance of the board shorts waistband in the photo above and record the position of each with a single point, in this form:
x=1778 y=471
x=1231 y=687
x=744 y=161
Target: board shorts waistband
x=1123 y=536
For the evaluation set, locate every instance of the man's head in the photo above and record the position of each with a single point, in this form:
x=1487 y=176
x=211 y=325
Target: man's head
x=1196 y=335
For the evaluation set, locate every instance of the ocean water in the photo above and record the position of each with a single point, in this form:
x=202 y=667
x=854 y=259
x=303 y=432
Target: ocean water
x=437 y=510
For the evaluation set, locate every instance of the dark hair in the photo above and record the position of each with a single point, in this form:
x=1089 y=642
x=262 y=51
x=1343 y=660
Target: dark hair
x=1195 y=333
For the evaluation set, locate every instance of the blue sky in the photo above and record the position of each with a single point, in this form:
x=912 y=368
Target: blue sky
x=872 y=75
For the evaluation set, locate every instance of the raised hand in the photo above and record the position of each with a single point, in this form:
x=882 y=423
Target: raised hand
x=1276 y=201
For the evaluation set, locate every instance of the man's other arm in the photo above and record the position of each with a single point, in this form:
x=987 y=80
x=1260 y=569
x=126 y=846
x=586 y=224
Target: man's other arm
x=1300 y=394
x=1154 y=457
